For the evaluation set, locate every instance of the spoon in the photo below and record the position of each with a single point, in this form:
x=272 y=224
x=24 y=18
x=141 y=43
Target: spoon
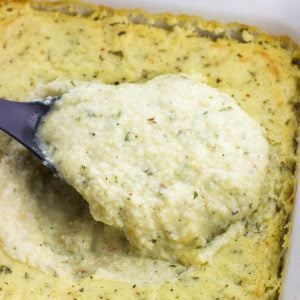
x=21 y=121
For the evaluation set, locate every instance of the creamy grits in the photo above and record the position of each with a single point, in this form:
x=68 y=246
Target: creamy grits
x=172 y=163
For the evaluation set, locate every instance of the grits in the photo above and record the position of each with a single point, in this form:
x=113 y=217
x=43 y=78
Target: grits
x=50 y=245
x=171 y=163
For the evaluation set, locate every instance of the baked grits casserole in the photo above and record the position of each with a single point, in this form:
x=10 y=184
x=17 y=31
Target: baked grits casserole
x=51 y=246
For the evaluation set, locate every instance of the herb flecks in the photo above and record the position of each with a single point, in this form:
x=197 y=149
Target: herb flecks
x=152 y=120
x=195 y=195
x=127 y=136
x=119 y=114
x=119 y=54
x=149 y=172
x=4 y=269
x=228 y=108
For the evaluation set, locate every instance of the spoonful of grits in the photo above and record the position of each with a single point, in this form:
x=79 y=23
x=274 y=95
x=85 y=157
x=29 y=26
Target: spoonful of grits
x=175 y=164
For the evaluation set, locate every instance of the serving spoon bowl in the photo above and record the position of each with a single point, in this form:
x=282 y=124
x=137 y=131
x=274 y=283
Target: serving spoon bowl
x=21 y=121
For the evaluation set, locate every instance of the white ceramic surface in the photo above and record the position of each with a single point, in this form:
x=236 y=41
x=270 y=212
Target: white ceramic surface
x=278 y=17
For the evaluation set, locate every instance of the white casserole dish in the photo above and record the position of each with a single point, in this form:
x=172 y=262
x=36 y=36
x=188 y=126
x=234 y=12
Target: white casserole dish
x=278 y=17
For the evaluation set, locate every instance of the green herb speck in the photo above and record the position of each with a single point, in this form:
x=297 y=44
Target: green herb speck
x=126 y=139
x=119 y=114
x=149 y=172
x=228 y=108
x=4 y=269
